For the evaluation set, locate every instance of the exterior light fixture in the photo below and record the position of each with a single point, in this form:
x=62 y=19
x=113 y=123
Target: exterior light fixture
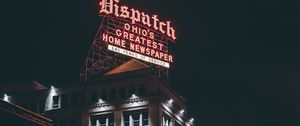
x=133 y=96
x=170 y=101
x=192 y=120
x=5 y=98
x=100 y=101
x=181 y=111
x=52 y=91
x=52 y=88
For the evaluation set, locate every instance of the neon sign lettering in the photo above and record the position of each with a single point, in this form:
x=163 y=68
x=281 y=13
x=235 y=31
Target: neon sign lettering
x=112 y=7
x=142 y=44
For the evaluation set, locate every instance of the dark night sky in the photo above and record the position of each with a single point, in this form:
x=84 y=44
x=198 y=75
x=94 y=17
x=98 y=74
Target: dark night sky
x=237 y=62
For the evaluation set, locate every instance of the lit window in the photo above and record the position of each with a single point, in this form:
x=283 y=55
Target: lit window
x=55 y=100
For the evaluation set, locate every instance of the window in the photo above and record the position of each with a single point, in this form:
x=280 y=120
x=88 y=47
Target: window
x=94 y=98
x=142 y=90
x=103 y=120
x=74 y=99
x=55 y=103
x=112 y=94
x=136 y=118
x=145 y=119
x=126 y=120
x=166 y=120
x=122 y=93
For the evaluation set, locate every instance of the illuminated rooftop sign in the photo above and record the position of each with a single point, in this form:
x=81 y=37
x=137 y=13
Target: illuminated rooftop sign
x=109 y=7
x=137 y=34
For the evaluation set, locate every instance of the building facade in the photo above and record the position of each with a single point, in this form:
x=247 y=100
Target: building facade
x=128 y=95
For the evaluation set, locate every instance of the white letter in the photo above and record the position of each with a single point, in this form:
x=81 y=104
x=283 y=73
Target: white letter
x=170 y=31
x=146 y=19
x=155 y=20
x=124 y=12
x=135 y=16
x=106 y=7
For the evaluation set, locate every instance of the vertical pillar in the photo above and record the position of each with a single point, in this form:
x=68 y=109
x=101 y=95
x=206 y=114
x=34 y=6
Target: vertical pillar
x=85 y=119
x=167 y=123
x=106 y=122
x=97 y=122
x=154 y=113
x=130 y=120
x=173 y=121
x=141 y=120
x=118 y=118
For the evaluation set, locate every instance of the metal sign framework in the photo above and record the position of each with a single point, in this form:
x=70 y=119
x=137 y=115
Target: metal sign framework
x=100 y=60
